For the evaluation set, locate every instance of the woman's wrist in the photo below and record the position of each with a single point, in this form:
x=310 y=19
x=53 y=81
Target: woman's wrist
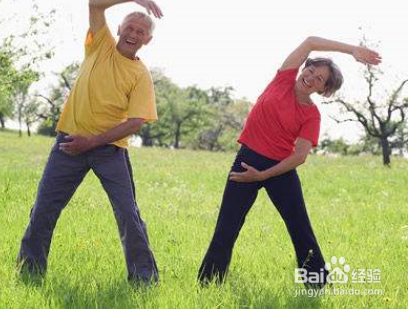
x=264 y=175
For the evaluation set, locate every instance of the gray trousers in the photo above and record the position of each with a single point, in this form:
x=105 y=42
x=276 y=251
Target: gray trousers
x=62 y=175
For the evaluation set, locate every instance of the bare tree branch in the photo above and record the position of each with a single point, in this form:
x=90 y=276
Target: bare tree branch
x=342 y=121
x=372 y=106
x=66 y=82
x=393 y=99
x=47 y=99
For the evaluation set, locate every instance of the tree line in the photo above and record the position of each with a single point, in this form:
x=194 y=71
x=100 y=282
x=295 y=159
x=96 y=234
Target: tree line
x=189 y=117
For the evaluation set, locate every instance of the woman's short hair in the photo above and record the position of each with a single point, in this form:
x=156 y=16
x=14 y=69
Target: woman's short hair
x=334 y=81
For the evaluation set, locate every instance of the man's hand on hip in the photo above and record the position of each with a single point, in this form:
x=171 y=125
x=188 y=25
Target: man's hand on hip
x=77 y=145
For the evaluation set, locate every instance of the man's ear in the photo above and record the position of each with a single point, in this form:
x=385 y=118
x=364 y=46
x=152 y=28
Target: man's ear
x=148 y=40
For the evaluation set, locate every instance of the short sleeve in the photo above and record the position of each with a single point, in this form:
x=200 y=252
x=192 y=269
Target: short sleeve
x=97 y=41
x=142 y=102
x=310 y=130
x=284 y=79
x=287 y=75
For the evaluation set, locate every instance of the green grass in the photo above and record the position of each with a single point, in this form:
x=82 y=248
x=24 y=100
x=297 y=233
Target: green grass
x=358 y=209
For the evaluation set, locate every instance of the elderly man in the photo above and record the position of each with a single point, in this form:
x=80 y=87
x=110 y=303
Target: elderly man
x=111 y=99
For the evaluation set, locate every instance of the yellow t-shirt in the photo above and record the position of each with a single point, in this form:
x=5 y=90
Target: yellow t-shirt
x=109 y=89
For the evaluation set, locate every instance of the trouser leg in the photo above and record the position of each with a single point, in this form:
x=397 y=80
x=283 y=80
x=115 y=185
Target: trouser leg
x=286 y=193
x=110 y=164
x=61 y=177
x=130 y=169
x=237 y=201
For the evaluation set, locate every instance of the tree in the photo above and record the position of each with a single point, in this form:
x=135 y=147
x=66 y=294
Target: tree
x=30 y=113
x=370 y=144
x=180 y=111
x=400 y=138
x=192 y=117
x=329 y=145
x=26 y=77
x=213 y=129
x=380 y=119
x=226 y=120
x=6 y=109
x=50 y=111
x=20 y=55
x=157 y=133
x=8 y=76
x=184 y=113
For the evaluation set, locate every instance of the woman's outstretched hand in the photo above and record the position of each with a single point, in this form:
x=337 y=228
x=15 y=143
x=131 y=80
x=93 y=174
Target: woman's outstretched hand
x=367 y=56
x=250 y=175
x=151 y=7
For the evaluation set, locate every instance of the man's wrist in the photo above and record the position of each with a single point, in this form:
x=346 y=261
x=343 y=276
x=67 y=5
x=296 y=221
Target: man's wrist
x=95 y=141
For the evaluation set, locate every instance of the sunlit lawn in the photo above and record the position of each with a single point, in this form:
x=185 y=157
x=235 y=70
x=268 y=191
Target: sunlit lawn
x=358 y=209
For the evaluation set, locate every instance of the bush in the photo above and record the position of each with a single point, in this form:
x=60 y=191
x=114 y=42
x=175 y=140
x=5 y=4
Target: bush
x=46 y=128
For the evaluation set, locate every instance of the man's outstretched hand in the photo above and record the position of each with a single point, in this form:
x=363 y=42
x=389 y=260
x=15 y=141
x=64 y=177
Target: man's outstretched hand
x=151 y=7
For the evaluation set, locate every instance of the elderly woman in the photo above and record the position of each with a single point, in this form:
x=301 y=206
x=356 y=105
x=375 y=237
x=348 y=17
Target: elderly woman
x=279 y=132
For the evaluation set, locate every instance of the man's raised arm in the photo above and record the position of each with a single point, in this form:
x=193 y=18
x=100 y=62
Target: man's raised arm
x=97 y=8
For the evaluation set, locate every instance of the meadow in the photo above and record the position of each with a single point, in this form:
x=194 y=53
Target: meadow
x=358 y=209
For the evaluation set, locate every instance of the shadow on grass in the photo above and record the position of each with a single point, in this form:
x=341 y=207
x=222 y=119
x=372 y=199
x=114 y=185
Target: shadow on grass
x=29 y=275
x=89 y=293
x=31 y=280
x=265 y=296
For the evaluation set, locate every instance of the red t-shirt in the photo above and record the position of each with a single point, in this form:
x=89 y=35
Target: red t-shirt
x=277 y=119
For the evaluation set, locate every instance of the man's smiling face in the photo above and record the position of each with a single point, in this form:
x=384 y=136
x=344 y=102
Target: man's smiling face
x=133 y=33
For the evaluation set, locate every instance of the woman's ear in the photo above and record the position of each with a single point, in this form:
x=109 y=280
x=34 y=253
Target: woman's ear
x=325 y=94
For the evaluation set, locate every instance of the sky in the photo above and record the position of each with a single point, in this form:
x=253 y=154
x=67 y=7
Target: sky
x=240 y=43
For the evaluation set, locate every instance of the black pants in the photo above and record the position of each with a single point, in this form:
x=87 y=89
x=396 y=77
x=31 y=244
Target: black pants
x=62 y=175
x=286 y=194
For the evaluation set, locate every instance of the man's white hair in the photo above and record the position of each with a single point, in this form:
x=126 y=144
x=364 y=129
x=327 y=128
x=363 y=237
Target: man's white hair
x=143 y=16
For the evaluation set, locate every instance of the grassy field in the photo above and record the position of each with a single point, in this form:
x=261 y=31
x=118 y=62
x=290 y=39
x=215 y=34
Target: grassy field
x=357 y=207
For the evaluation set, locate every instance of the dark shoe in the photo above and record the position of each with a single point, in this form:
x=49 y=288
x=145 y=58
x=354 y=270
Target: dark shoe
x=142 y=282
x=31 y=267
x=31 y=274
x=205 y=280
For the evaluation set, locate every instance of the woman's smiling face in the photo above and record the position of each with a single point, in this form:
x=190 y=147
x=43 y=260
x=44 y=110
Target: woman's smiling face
x=312 y=79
